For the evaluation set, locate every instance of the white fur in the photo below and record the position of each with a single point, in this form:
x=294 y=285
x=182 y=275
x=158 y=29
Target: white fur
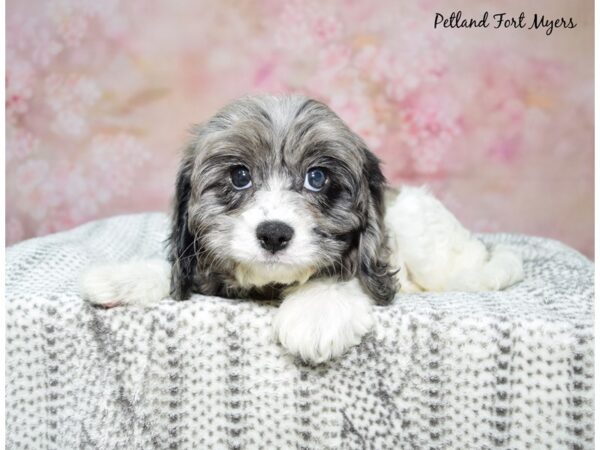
x=137 y=283
x=323 y=318
x=261 y=274
x=438 y=254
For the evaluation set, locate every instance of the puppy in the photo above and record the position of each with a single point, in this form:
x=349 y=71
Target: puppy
x=277 y=198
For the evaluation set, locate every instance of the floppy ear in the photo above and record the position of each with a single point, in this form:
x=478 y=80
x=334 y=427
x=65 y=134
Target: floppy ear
x=182 y=251
x=373 y=269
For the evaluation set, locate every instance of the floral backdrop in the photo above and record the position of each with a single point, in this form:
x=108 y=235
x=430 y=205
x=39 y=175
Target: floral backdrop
x=499 y=122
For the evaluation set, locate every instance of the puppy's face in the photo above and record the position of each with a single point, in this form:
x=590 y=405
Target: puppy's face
x=275 y=191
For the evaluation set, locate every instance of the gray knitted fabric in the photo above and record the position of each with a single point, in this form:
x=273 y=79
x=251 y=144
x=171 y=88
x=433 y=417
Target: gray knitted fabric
x=511 y=369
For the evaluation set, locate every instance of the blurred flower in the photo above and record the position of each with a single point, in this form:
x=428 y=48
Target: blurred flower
x=31 y=174
x=70 y=98
x=429 y=125
x=14 y=229
x=20 y=143
x=19 y=87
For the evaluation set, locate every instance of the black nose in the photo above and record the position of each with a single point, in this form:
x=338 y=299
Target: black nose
x=274 y=235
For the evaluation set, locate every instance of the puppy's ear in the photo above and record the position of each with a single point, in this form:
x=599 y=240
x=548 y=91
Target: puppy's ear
x=182 y=251
x=373 y=269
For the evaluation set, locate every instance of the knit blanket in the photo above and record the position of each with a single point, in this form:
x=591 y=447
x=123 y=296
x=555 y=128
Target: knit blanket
x=510 y=369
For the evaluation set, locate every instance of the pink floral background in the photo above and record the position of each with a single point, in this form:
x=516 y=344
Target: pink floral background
x=499 y=123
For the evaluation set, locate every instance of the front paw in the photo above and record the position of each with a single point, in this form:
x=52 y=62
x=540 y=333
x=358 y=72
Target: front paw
x=320 y=320
x=137 y=283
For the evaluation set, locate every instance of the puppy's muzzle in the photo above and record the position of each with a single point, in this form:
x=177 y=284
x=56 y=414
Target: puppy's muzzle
x=274 y=235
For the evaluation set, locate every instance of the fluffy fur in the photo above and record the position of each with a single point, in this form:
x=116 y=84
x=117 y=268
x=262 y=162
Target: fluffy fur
x=354 y=243
x=140 y=283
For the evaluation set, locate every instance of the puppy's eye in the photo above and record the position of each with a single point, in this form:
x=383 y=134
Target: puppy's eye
x=315 y=179
x=240 y=177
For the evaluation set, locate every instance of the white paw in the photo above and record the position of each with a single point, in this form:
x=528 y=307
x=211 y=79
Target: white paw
x=141 y=283
x=322 y=319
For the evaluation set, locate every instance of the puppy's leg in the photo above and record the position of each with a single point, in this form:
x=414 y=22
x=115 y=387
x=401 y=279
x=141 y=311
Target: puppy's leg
x=321 y=319
x=439 y=253
x=141 y=283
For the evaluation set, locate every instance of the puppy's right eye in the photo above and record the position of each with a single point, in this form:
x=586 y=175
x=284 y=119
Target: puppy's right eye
x=240 y=177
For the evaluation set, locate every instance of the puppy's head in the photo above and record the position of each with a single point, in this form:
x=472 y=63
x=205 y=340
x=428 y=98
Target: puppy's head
x=273 y=191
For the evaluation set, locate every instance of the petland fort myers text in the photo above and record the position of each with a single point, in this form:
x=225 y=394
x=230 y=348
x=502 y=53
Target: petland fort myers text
x=504 y=21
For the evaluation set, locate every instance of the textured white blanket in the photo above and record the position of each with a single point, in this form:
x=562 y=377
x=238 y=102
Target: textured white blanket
x=511 y=369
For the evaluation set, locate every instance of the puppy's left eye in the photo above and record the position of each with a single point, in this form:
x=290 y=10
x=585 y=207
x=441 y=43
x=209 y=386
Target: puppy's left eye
x=240 y=177
x=316 y=179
